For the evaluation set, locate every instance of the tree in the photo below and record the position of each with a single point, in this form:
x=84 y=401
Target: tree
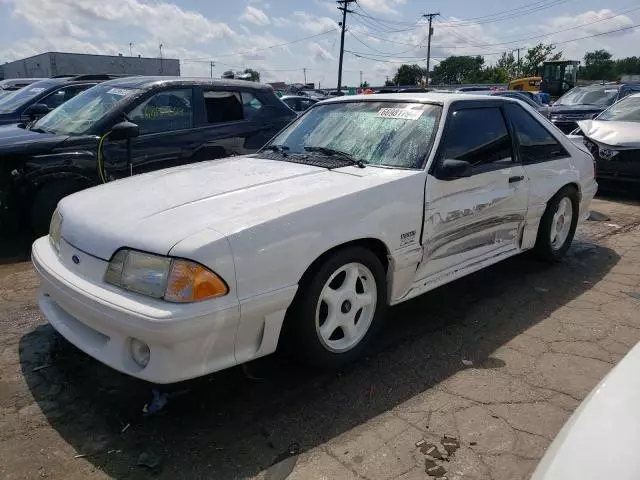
x=364 y=84
x=508 y=64
x=457 y=69
x=627 y=66
x=598 y=66
x=255 y=75
x=489 y=75
x=409 y=75
x=535 y=56
x=388 y=83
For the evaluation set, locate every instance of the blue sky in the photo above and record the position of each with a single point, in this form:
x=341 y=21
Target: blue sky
x=242 y=33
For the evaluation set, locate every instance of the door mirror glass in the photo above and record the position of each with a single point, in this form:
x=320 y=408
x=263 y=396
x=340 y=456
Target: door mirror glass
x=35 y=111
x=124 y=131
x=452 y=169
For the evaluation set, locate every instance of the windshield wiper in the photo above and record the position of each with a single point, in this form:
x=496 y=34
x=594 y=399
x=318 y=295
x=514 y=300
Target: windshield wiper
x=283 y=149
x=350 y=159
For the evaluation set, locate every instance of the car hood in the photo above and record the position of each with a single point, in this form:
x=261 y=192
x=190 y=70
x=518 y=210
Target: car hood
x=14 y=139
x=601 y=438
x=564 y=109
x=8 y=118
x=616 y=134
x=154 y=212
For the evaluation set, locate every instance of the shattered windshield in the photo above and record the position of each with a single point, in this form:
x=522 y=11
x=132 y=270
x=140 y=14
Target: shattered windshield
x=394 y=134
x=626 y=110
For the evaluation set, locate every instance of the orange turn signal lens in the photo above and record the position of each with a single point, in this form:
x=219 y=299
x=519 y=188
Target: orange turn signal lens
x=191 y=282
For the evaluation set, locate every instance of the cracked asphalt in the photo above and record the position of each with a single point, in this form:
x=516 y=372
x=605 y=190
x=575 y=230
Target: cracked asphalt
x=497 y=361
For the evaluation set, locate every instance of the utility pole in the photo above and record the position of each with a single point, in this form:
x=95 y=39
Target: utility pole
x=304 y=71
x=430 y=16
x=361 y=78
x=161 y=66
x=344 y=8
x=131 y=49
x=212 y=64
x=518 y=67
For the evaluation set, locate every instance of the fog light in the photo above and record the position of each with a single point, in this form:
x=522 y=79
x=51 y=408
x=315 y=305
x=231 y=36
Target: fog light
x=140 y=352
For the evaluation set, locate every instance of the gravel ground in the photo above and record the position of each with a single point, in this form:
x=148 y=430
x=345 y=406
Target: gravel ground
x=497 y=360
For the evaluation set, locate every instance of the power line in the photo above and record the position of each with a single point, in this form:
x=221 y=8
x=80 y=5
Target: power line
x=490 y=18
x=515 y=9
x=523 y=39
x=544 y=35
x=383 y=20
x=355 y=37
x=484 y=54
x=522 y=13
x=360 y=55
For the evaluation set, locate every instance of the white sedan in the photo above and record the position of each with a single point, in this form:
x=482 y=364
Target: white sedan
x=601 y=438
x=362 y=202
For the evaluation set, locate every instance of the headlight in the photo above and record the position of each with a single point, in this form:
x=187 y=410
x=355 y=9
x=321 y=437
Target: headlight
x=172 y=279
x=55 y=228
x=607 y=153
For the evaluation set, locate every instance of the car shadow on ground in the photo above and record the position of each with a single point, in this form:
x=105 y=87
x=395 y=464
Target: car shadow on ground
x=242 y=421
x=620 y=193
x=14 y=247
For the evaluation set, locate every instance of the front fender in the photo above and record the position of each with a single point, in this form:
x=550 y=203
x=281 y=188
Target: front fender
x=80 y=165
x=277 y=252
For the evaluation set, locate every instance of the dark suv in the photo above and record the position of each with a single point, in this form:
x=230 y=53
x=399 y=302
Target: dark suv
x=128 y=126
x=39 y=98
x=585 y=103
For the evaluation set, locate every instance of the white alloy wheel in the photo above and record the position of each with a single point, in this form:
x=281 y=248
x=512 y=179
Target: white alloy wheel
x=346 y=307
x=561 y=223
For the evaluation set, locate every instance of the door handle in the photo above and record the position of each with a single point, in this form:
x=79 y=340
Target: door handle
x=516 y=179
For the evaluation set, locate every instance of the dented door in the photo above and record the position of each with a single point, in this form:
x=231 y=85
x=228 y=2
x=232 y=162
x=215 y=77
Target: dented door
x=476 y=218
x=470 y=219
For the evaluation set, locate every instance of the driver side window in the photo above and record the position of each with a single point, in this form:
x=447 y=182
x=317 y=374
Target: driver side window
x=165 y=111
x=478 y=136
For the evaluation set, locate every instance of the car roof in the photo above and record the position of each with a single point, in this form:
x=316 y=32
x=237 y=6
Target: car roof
x=11 y=81
x=428 y=97
x=600 y=86
x=54 y=82
x=302 y=97
x=152 y=82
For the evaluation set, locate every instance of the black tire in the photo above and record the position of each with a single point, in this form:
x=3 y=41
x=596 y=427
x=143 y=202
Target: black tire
x=544 y=249
x=300 y=333
x=46 y=202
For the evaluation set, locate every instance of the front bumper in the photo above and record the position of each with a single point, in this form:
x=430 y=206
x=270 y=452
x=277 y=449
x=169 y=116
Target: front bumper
x=185 y=340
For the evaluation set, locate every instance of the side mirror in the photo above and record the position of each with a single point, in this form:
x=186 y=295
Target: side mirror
x=124 y=131
x=35 y=111
x=452 y=169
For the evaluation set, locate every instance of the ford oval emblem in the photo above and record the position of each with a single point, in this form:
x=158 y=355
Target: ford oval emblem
x=76 y=259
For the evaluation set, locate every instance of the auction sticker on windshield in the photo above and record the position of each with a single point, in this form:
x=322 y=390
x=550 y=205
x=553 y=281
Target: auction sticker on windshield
x=401 y=113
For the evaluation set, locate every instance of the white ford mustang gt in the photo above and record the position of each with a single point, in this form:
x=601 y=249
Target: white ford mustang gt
x=362 y=202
